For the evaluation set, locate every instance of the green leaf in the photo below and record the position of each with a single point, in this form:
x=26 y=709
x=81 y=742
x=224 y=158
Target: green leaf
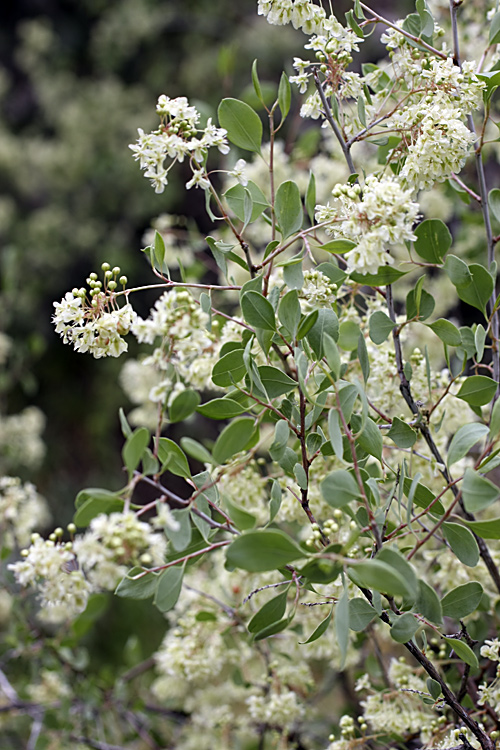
x=275 y=502
x=349 y=333
x=364 y=360
x=183 y=405
x=404 y=628
x=92 y=502
x=338 y=247
x=494 y=38
x=284 y=95
x=458 y=271
x=494 y=195
x=360 y=614
x=332 y=355
x=125 y=427
x=352 y=23
x=326 y=322
x=433 y=240
x=221 y=408
x=281 y=435
x=423 y=496
x=159 y=249
x=340 y=488
x=240 y=517
x=380 y=327
x=134 y=447
x=463 y=440
x=446 y=331
x=342 y=624
x=477 y=390
x=477 y=491
x=480 y=340
x=275 y=627
x=261 y=550
x=275 y=381
x=428 y=603
x=495 y=421
x=402 y=434
x=462 y=600
x=229 y=369
x=369 y=439
x=169 y=587
x=426 y=19
x=347 y=396
x=335 y=433
x=385 y=275
x=378 y=575
x=289 y=312
x=288 y=208
x=396 y=560
x=242 y=123
x=256 y=82
x=420 y=309
x=320 y=630
x=311 y=197
x=141 y=588
x=172 y=457
x=233 y=438
x=463 y=651
x=196 y=450
x=258 y=311
x=479 y=290
x=235 y=198
x=181 y=537
x=272 y=611
x=485 y=529
x=462 y=543
x=433 y=687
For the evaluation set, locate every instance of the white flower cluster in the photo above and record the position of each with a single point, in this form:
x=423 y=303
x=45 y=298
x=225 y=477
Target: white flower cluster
x=46 y=566
x=21 y=445
x=435 y=138
x=247 y=487
x=50 y=688
x=114 y=543
x=176 y=138
x=395 y=712
x=382 y=214
x=302 y=14
x=187 y=351
x=491 y=650
x=276 y=708
x=93 y=322
x=317 y=291
x=192 y=651
x=22 y=510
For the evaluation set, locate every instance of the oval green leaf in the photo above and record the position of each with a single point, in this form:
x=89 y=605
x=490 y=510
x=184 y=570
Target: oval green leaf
x=261 y=550
x=288 y=208
x=462 y=600
x=233 y=438
x=258 y=311
x=242 y=123
x=462 y=543
x=477 y=390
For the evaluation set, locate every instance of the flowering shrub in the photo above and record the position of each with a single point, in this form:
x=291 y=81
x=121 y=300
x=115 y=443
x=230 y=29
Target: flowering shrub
x=337 y=534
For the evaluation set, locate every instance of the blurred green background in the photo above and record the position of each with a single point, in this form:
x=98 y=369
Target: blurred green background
x=77 y=78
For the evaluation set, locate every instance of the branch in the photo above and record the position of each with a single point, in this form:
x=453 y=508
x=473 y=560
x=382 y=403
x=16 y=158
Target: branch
x=331 y=121
x=424 y=429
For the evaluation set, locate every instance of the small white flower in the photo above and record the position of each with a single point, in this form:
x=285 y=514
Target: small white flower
x=238 y=172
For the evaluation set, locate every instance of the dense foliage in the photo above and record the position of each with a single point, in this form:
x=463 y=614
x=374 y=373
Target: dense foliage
x=309 y=502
